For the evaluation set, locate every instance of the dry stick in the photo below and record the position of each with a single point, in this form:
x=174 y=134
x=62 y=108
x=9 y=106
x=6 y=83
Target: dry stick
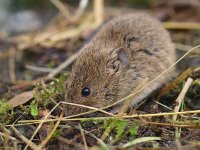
x=89 y=107
x=10 y=137
x=197 y=69
x=161 y=114
x=62 y=8
x=63 y=35
x=11 y=64
x=51 y=36
x=163 y=105
x=98 y=140
x=42 y=121
x=181 y=96
x=82 y=6
x=183 y=76
x=98 y=9
x=83 y=136
x=173 y=125
x=64 y=140
x=184 y=48
x=69 y=142
x=63 y=65
x=23 y=138
x=26 y=84
x=103 y=118
x=38 y=69
x=6 y=137
x=39 y=126
x=182 y=25
x=127 y=103
x=52 y=132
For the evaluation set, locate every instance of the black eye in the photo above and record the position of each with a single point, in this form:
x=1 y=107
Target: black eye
x=85 y=91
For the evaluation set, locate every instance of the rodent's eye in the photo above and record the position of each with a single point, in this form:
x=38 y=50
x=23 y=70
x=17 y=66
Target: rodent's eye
x=85 y=91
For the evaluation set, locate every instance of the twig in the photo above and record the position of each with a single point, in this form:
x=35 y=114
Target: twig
x=10 y=137
x=62 y=8
x=52 y=35
x=12 y=64
x=63 y=65
x=38 y=69
x=64 y=140
x=183 y=76
x=83 y=136
x=162 y=105
x=185 y=48
x=98 y=11
x=69 y=142
x=82 y=6
x=42 y=121
x=89 y=107
x=182 y=25
x=161 y=114
x=184 y=125
x=181 y=96
x=103 y=145
x=52 y=132
x=39 y=126
x=25 y=84
x=23 y=138
x=103 y=118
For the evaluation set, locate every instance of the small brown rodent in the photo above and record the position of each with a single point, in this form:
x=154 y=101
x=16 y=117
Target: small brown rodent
x=124 y=52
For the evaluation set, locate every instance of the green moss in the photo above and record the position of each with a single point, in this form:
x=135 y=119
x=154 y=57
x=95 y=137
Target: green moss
x=117 y=126
x=48 y=94
x=5 y=116
x=4 y=107
x=133 y=131
x=55 y=134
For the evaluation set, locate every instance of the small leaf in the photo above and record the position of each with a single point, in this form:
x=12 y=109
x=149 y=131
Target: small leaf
x=21 y=98
x=34 y=109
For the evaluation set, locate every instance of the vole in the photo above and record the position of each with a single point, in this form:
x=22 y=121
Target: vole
x=126 y=50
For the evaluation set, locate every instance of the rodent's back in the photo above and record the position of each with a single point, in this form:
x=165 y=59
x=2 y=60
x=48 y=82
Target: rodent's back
x=136 y=31
x=125 y=51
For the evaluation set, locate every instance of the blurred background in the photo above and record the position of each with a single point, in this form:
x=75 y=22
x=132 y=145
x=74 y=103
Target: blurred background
x=18 y=16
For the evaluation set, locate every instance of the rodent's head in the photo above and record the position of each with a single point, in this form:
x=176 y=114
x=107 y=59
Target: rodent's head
x=94 y=79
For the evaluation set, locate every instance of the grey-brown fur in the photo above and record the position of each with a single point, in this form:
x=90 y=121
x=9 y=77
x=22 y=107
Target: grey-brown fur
x=125 y=51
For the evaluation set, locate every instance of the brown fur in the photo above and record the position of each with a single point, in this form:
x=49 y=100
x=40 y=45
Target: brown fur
x=125 y=51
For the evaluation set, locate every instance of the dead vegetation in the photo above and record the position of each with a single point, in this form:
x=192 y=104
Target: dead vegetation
x=31 y=88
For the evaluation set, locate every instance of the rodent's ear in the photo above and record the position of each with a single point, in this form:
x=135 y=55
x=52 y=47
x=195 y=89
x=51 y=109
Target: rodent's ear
x=121 y=55
x=118 y=58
